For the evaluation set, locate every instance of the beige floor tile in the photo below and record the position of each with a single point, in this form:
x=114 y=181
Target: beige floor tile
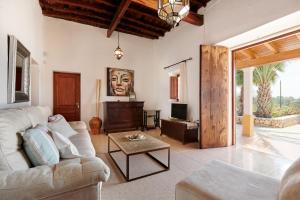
x=184 y=160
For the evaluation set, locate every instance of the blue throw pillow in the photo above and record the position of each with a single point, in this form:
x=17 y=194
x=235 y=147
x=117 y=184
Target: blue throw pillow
x=39 y=146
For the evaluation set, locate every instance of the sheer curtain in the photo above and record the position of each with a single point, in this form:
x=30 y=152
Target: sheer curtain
x=183 y=83
x=180 y=69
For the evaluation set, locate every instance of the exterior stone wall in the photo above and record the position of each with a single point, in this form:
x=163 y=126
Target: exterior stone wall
x=277 y=122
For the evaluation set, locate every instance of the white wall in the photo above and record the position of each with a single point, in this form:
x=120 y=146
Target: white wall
x=73 y=47
x=222 y=19
x=181 y=43
x=35 y=84
x=228 y=18
x=24 y=20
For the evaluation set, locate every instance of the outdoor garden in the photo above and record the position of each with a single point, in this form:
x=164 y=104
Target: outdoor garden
x=271 y=111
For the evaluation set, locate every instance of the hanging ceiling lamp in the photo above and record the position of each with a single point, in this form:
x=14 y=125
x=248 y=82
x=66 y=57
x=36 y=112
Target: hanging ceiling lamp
x=172 y=11
x=118 y=52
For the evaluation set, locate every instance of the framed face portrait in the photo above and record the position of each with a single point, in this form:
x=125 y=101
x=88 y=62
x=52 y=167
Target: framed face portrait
x=120 y=82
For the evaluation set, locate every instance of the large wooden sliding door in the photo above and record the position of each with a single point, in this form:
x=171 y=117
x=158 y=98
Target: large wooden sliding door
x=66 y=95
x=213 y=96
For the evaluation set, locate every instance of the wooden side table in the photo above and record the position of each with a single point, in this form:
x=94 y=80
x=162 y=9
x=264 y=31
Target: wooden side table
x=155 y=114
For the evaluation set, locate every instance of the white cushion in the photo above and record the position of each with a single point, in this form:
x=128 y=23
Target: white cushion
x=221 y=181
x=290 y=183
x=78 y=125
x=12 y=121
x=65 y=147
x=59 y=124
x=39 y=146
x=83 y=143
x=38 y=114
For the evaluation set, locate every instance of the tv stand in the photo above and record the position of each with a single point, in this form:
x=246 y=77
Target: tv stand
x=180 y=130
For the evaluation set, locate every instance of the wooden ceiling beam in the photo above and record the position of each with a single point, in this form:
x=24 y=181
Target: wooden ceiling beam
x=298 y=36
x=236 y=56
x=71 y=17
x=285 y=55
x=271 y=47
x=154 y=19
x=144 y=25
x=194 y=4
x=130 y=14
x=91 y=10
x=88 y=21
x=139 y=11
x=136 y=9
x=82 y=4
x=194 y=18
x=118 y=16
x=138 y=16
x=129 y=27
x=248 y=53
x=149 y=3
x=135 y=33
x=141 y=28
x=60 y=10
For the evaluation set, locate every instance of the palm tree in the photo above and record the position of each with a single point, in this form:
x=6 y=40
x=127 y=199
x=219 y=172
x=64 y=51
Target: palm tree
x=239 y=79
x=263 y=77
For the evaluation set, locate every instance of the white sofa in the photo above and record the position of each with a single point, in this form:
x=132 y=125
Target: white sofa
x=78 y=178
x=220 y=181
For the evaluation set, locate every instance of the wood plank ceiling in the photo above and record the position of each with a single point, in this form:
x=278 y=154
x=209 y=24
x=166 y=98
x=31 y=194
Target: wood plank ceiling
x=136 y=17
x=279 y=49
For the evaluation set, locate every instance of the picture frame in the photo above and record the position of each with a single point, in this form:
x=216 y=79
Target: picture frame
x=120 y=82
x=18 y=85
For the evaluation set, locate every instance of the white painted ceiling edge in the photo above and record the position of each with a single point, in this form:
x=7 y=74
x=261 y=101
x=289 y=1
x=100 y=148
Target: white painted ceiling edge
x=272 y=29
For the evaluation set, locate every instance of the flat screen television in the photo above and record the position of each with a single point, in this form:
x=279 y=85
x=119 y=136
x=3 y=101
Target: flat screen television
x=179 y=111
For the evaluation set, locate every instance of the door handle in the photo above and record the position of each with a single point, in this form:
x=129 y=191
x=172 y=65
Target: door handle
x=77 y=105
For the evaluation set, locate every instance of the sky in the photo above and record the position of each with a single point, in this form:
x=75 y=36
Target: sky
x=290 y=81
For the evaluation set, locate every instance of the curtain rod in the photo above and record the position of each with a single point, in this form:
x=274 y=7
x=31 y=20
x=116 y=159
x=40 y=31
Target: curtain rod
x=190 y=58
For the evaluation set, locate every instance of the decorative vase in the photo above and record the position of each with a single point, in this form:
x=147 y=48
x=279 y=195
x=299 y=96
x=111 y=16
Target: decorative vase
x=95 y=125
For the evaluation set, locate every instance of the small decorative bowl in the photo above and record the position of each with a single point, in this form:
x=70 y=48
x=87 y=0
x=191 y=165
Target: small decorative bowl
x=135 y=137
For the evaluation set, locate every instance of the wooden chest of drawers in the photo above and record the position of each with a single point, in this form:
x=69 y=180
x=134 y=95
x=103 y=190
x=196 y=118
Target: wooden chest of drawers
x=122 y=116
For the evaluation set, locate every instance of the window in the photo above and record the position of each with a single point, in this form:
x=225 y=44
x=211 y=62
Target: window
x=174 y=82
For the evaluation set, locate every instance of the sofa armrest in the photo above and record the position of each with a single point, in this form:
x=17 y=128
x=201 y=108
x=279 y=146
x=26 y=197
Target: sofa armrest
x=45 y=181
x=78 y=125
x=26 y=184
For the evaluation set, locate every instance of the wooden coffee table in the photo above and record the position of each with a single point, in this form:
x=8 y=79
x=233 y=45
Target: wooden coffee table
x=131 y=148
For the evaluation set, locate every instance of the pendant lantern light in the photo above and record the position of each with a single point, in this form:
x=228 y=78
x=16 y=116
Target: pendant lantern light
x=173 y=11
x=118 y=52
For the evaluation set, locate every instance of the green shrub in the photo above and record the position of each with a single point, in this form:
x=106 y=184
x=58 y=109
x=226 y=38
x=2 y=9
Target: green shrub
x=291 y=109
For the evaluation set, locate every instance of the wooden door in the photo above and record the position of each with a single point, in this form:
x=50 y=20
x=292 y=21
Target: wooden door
x=213 y=96
x=66 y=95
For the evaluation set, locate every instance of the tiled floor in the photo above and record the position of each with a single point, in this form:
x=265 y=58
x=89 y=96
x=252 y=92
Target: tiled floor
x=184 y=160
x=283 y=142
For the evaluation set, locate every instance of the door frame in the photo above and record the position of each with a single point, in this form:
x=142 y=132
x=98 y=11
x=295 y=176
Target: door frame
x=233 y=70
x=53 y=86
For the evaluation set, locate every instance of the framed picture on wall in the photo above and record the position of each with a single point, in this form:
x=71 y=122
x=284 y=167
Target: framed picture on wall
x=120 y=82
